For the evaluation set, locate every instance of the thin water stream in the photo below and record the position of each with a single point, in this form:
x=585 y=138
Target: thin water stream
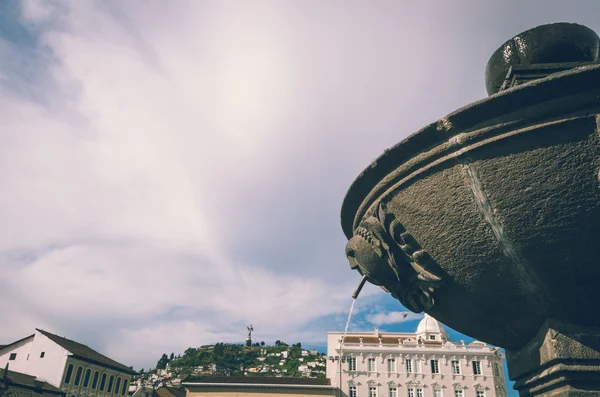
x=347 y=324
x=354 y=296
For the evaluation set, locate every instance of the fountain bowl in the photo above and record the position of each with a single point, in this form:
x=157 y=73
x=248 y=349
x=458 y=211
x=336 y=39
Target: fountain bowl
x=489 y=218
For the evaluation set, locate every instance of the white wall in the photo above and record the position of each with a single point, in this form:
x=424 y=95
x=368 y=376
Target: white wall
x=22 y=349
x=51 y=367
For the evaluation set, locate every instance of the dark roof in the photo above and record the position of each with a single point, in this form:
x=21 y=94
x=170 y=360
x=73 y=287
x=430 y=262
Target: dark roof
x=167 y=391
x=86 y=353
x=27 y=382
x=270 y=380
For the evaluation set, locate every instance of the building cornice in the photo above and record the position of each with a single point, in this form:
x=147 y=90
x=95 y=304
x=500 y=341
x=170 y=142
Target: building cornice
x=442 y=350
x=259 y=385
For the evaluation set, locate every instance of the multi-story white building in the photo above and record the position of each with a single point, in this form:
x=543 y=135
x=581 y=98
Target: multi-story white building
x=76 y=369
x=421 y=364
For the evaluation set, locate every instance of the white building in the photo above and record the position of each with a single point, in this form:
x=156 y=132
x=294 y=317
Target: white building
x=74 y=368
x=420 y=364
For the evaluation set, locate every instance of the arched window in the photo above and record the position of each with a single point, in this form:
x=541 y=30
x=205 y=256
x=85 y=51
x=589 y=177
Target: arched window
x=118 y=385
x=124 y=387
x=86 y=378
x=78 y=375
x=111 y=380
x=95 y=380
x=102 y=382
x=69 y=373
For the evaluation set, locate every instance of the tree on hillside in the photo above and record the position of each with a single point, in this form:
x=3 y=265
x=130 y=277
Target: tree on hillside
x=277 y=343
x=218 y=349
x=162 y=363
x=262 y=343
x=172 y=356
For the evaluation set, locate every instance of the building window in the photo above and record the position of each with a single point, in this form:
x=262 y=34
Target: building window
x=476 y=368
x=458 y=393
x=409 y=367
x=69 y=373
x=95 y=380
x=437 y=392
x=372 y=392
x=479 y=393
x=42 y=354
x=352 y=392
x=124 y=387
x=455 y=367
x=371 y=367
x=393 y=392
x=412 y=392
x=391 y=365
x=118 y=385
x=352 y=364
x=78 y=376
x=111 y=380
x=496 y=369
x=13 y=356
x=431 y=337
x=435 y=366
x=102 y=382
x=86 y=378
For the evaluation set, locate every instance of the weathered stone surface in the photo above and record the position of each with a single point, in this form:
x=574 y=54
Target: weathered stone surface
x=561 y=360
x=489 y=220
x=553 y=43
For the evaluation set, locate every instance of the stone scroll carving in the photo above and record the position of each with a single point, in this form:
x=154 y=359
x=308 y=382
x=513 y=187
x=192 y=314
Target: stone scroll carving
x=383 y=250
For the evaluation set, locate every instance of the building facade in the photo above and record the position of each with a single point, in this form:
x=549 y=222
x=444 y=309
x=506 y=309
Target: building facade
x=75 y=369
x=16 y=384
x=421 y=364
x=257 y=386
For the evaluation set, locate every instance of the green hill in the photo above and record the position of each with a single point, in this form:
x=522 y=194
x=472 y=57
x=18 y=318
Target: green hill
x=239 y=360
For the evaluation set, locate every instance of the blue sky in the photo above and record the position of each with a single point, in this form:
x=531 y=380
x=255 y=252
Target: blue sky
x=172 y=171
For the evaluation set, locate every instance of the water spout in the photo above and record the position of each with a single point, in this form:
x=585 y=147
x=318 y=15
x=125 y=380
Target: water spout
x=363 y=280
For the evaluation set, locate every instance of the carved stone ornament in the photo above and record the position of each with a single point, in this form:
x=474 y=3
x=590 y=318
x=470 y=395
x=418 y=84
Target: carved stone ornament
x=390 y=257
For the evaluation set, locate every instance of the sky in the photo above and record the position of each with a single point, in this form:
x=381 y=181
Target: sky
x=172 y=171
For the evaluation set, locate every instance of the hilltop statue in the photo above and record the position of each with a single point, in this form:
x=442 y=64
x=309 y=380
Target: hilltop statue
x=249 y=338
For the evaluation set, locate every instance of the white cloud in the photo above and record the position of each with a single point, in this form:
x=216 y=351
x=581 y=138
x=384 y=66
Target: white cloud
x=392 y=317
x=171 y=171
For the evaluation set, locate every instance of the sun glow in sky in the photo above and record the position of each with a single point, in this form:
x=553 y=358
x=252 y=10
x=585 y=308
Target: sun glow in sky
x=172 y=171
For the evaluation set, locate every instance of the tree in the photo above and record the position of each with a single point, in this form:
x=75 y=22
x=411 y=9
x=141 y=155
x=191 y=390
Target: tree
x=218 y=349
x=262 y=343
x=277 y=343
x=172 y=356
x=142 y=371
x=162 y=363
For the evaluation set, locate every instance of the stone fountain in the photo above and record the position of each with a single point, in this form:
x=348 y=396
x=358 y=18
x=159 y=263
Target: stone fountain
x=489 y=218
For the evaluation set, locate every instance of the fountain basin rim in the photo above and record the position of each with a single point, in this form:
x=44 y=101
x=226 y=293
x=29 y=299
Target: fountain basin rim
x=518 y=106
